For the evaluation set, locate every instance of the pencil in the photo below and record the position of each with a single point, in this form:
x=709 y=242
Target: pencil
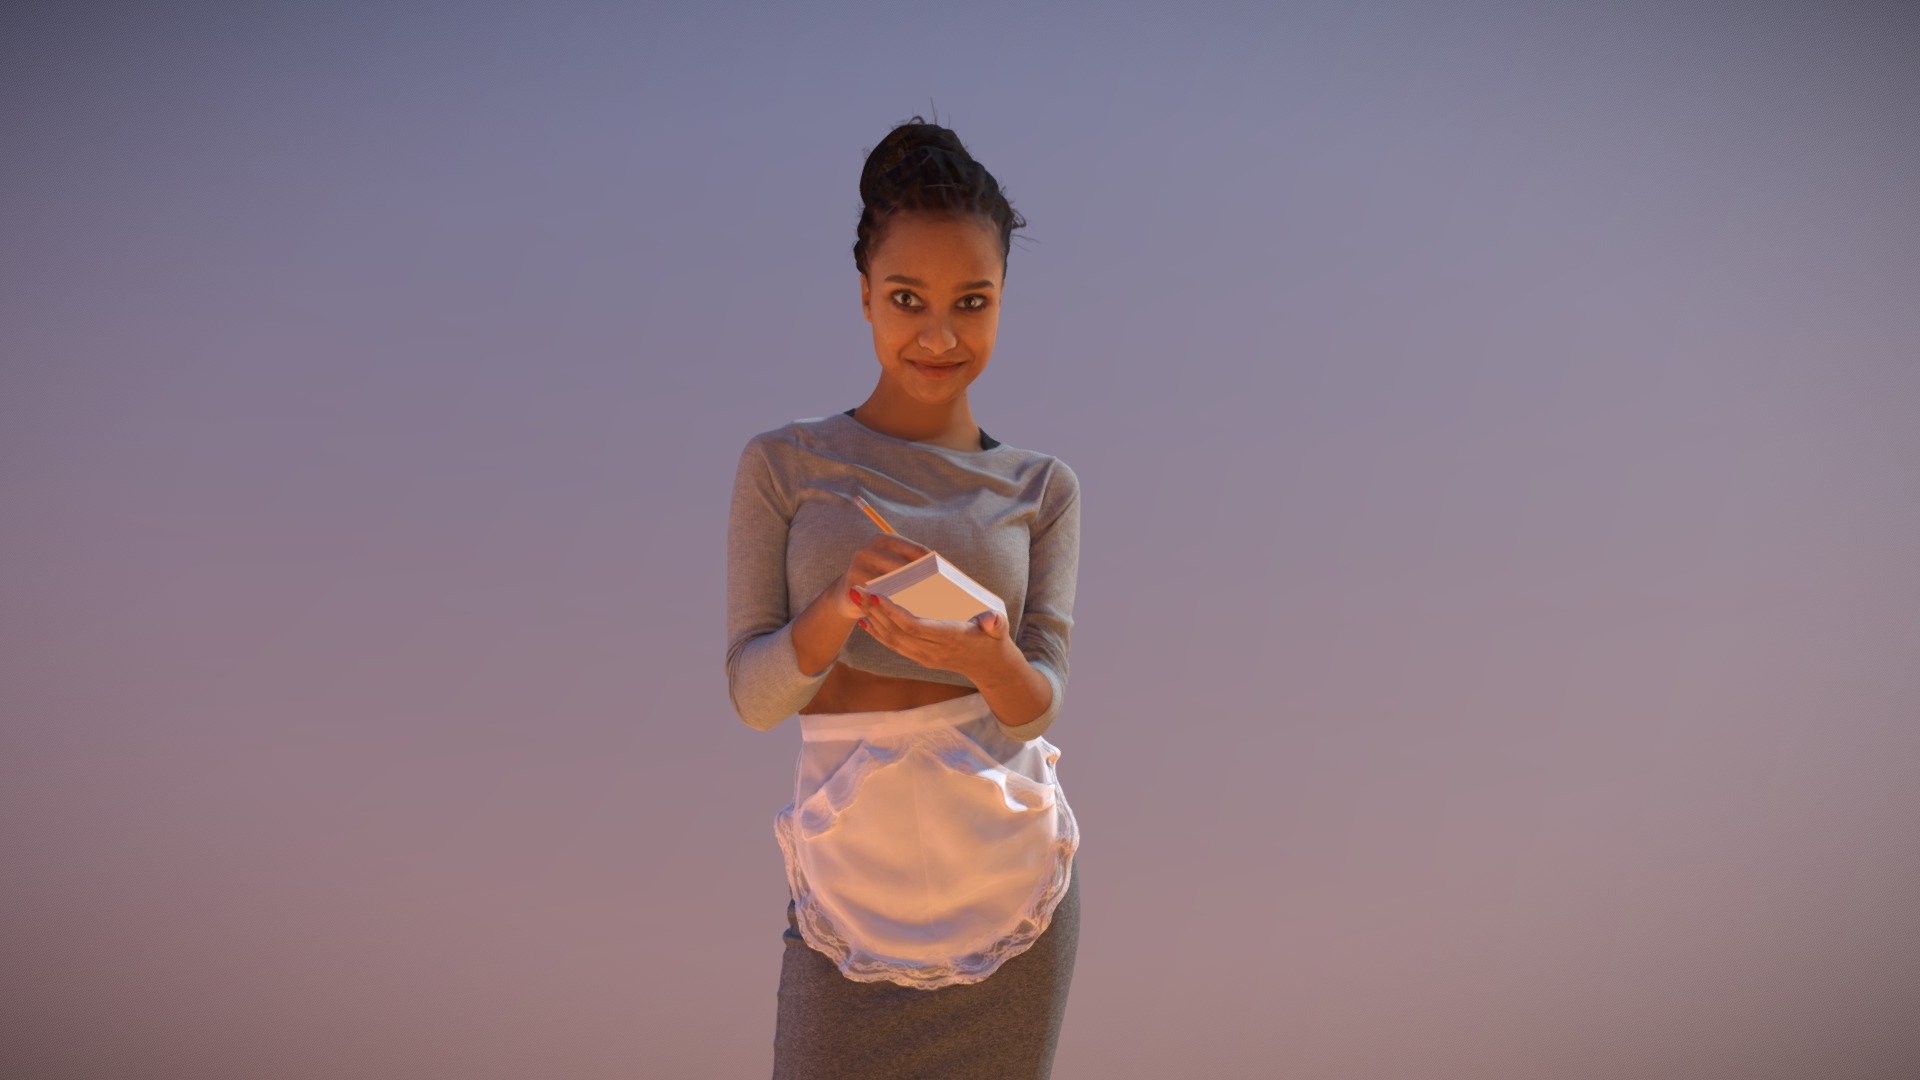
x=875 y=515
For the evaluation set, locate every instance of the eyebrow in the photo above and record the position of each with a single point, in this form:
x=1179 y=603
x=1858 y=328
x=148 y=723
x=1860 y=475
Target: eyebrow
x=983 y=283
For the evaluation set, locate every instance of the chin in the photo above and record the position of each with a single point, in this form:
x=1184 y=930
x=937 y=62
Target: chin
x=936 y=393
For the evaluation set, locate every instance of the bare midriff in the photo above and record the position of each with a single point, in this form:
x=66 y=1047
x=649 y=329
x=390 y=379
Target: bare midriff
x=852 y=690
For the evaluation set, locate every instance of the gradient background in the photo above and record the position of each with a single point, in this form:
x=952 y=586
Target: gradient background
x=1496 y=636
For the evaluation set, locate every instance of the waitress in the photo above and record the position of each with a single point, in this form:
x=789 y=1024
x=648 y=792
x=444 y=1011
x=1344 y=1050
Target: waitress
x=929 y=848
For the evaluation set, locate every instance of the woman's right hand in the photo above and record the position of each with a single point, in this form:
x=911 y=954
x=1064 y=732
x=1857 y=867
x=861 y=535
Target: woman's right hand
x=883 y=554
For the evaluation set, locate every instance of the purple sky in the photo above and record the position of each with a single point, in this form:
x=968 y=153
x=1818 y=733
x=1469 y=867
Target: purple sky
x=1494 y=651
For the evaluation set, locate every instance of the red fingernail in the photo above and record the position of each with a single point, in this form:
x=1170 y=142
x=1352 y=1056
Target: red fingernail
x=854 y=593
x=863 y=624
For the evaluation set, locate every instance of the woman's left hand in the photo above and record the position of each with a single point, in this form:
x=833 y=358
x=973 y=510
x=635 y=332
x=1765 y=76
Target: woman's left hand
x=968 y=648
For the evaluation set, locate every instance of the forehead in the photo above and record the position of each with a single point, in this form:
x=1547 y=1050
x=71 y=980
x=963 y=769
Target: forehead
x=938 y=248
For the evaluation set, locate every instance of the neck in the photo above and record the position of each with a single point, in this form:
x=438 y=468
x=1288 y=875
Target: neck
x=948 y=424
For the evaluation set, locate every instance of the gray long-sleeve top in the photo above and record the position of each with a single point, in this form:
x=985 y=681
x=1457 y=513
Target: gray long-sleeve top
x=1009 y=518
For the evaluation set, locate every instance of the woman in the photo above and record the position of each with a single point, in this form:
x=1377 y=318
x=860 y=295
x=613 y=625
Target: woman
x=929 y=848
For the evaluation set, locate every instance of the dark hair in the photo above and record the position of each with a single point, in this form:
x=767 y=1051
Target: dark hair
x=924 y=167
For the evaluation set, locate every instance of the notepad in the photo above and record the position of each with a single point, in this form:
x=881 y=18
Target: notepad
x=933 y=588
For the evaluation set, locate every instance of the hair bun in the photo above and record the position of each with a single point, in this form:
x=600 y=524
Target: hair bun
x=909 y=152
x=925 y=167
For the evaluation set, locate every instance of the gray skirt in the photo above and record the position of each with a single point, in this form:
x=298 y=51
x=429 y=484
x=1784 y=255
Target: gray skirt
x=1004 y=1027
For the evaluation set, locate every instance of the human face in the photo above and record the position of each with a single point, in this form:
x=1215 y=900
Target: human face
x=932 y=293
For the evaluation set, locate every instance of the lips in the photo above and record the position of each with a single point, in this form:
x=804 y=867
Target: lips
x=937 y=374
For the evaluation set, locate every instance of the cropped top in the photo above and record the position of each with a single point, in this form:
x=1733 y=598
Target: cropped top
x=1007 y=517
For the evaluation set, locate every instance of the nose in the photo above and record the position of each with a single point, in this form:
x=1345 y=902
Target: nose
x=936 y=339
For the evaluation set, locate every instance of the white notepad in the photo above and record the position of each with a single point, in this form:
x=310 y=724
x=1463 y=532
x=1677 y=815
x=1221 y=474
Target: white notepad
x=933 y=588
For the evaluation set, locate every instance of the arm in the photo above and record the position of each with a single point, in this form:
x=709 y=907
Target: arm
x=1029 y=680
x=1015 y=689
x=774 y=666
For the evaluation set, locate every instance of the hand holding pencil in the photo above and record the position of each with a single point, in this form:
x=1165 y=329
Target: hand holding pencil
x=884 y=554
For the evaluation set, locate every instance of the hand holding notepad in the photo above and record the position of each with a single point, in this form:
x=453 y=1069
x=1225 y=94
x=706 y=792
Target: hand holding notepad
x=931 y=587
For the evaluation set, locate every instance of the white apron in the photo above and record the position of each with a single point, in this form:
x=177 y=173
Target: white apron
x=924 y=846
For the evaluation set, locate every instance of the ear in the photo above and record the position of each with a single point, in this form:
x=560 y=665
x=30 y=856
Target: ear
x=866 y=311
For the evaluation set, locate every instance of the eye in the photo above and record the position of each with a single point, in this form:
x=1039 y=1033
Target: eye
x=981 y=306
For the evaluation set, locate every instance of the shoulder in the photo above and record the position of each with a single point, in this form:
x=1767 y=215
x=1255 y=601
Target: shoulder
x=1059 y=491
x=1063 y=473
x=777 y=442
x=1025 y=462
x=1063 y=484
x=1044 y=477
x=784 y=433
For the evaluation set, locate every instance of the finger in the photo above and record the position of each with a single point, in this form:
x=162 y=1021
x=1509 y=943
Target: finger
x=881 y=610
x=878 y=611
x=889 y=634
